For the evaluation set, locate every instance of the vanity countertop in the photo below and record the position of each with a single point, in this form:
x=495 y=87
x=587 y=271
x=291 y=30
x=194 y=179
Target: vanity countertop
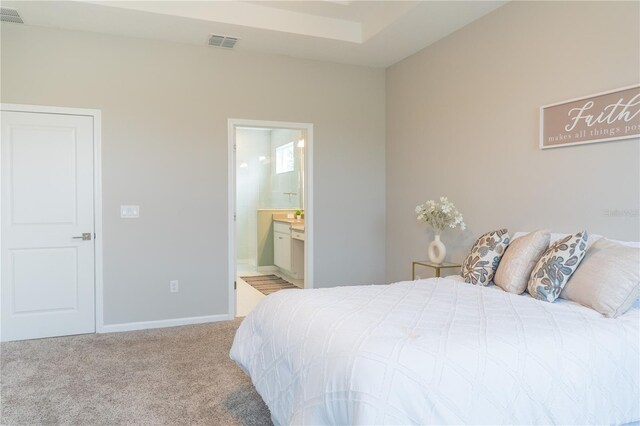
x=296 y=224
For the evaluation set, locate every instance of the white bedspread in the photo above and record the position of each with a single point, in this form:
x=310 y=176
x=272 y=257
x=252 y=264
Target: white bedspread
x=438 y=351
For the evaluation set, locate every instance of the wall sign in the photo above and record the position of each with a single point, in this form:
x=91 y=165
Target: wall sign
x=607 y=116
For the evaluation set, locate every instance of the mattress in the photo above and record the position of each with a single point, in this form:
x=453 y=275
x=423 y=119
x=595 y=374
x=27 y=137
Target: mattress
x=438 y=351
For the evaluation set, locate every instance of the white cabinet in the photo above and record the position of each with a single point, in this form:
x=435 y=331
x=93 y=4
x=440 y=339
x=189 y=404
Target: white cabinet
x=297 y=256
x=288 y=249
x=282 y=250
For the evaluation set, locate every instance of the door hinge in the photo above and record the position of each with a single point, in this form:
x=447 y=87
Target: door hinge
x=234 y=217
x=94 y=236
x=235 y=285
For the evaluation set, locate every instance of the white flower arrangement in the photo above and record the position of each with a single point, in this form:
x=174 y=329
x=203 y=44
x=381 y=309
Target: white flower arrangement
x=440 y=215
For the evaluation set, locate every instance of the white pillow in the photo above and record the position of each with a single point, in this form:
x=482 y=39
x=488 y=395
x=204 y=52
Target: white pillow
x=555 y=236
x=608 y=279
x=518 y=261
x=592 y=239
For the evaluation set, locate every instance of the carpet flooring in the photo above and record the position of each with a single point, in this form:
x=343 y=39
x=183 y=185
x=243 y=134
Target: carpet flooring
x=171 y=376
x=267 y=284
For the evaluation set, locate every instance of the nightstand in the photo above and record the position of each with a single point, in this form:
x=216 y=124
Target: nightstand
x=436 y=267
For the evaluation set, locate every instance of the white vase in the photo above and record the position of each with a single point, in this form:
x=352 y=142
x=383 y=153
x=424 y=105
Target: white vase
x=437 y=250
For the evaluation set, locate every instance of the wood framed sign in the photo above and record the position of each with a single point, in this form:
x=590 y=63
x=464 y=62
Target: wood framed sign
x=606 y=116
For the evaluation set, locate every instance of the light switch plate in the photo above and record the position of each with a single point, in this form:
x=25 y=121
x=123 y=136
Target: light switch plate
x=129 y=212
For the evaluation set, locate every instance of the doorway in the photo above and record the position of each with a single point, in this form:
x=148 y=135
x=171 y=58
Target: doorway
x=50 y=193
x=270 y=210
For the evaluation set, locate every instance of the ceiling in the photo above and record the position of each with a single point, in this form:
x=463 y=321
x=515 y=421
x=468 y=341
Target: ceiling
x=370 y=33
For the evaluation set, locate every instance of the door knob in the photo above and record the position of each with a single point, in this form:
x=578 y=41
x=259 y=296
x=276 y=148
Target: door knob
x=85 y=236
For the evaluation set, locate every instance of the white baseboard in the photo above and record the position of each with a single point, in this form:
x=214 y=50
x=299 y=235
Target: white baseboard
x=267 y=269
x=145 y=325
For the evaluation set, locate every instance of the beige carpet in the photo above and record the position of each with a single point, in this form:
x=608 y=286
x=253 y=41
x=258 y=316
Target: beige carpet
x=267 y=284
x=172 y=376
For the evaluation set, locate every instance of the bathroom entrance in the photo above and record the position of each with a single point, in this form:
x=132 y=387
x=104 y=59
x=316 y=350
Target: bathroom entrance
x=270 y=210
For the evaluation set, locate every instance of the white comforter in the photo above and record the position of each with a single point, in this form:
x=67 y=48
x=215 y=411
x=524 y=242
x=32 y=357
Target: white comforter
x=438 y=351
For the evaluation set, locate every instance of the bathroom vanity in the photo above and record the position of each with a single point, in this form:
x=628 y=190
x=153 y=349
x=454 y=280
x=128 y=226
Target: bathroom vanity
x=288 y=245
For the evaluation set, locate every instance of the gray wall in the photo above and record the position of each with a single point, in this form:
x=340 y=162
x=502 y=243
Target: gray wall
x=462 y=121
x=164 y=139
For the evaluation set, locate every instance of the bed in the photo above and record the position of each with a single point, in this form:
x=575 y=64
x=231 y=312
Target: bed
x=439 y=351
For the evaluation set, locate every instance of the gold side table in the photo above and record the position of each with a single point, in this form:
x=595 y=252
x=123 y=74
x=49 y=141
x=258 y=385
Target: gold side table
x=436 y=267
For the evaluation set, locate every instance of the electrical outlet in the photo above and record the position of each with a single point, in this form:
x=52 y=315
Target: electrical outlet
x=174 y=286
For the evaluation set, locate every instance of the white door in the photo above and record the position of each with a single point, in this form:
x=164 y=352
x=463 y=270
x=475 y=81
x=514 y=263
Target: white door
x=47 y=274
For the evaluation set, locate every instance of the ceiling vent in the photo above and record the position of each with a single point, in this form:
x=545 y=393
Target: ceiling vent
x=225 y=42
x=10 y=15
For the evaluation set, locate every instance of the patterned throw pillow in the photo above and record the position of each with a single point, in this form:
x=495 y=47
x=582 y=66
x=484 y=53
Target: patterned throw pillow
x=483 y=259
x=556 y=266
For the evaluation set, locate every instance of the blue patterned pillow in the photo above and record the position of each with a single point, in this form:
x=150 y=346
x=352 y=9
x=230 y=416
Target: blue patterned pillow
x=483 y=259
x=556 y=266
